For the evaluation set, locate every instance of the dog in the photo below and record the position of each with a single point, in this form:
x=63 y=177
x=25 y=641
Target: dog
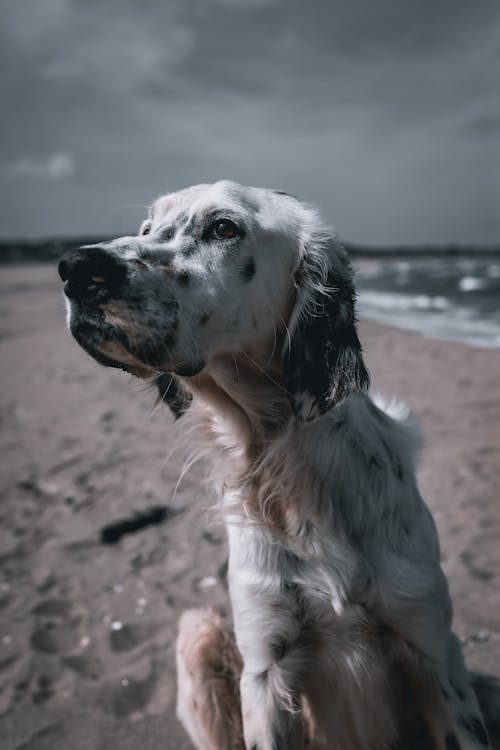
x=239 y=304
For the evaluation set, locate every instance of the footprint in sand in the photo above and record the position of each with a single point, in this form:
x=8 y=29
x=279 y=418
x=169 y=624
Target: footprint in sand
x=127 y=694
x=55 y=638
x=52 y=608
x=125 y=637
x=55 y=631
x=44 y=689
x=85 y=665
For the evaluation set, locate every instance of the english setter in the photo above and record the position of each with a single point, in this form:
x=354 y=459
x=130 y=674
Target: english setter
x=240 y=302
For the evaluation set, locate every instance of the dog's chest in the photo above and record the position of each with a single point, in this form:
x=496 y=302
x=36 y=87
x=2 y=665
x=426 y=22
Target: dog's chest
x=264 y=570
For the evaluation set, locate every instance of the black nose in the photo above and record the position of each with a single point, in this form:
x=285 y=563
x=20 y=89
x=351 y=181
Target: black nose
x=88 y=271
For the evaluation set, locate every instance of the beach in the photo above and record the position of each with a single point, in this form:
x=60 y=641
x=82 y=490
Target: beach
x=87 y=628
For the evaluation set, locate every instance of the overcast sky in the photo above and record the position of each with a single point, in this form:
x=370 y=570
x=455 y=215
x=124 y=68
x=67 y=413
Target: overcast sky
x=385 y=113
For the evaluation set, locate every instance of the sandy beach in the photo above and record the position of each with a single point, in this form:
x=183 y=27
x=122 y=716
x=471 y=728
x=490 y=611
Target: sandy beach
x=87 y=629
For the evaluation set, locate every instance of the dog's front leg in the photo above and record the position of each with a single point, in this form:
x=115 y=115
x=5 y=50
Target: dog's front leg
x=270 y=634
x=268 y=723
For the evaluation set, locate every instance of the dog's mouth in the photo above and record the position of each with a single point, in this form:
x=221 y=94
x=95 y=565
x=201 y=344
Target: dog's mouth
x=114 y=354
x=114 y=338
x=110 y=345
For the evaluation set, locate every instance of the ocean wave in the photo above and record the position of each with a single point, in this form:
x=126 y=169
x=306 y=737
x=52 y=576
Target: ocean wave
x=471 y=283
x=393 y=301
x=435 y=317
x=459 y=300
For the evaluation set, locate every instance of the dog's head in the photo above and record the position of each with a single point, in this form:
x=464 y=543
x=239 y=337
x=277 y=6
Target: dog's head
x=219 y=270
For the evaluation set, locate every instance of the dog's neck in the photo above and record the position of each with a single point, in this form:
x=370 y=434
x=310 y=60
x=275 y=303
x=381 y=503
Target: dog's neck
x=244 y=414
x=246 y=393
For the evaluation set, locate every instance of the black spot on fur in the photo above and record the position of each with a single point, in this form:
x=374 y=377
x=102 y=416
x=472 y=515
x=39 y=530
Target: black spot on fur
x=451 y=742
x=183 y=278
x=168 y=233
x=254 y=747
x=189 y=248
x=262 y=676
x=248 y=271
x=279 y=649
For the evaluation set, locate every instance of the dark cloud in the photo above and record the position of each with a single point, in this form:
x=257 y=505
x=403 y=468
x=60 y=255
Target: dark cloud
x=385 y=114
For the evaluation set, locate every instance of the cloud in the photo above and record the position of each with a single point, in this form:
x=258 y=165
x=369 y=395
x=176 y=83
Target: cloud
x=57 y=166
x=382 y=113
x=244 y=5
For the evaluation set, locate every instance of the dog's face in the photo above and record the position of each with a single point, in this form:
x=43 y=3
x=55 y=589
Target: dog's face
x=198 y=280
x=219 y=271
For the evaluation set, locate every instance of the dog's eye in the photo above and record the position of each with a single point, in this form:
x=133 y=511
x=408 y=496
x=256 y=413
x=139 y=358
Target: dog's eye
x=224 y=230
x=146 y=229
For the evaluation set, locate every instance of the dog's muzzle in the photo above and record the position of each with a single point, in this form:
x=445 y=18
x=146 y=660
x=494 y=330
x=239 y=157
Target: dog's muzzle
x=91 y=273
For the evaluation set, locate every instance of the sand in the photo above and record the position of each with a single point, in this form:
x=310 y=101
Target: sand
x=87 y=630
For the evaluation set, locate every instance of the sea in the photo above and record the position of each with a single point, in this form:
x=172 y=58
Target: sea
x=457 y=299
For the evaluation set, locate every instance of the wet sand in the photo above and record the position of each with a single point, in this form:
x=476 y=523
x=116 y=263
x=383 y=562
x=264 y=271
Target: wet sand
x=87 y=629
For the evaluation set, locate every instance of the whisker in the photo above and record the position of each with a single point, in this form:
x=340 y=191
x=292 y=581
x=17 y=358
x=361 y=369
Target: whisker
x=275 y=341
x=160 y=399
x=190 y=461
x=237 y=369
x=268 y=376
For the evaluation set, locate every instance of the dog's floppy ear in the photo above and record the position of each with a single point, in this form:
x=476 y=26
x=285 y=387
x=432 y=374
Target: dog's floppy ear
x=323 y=362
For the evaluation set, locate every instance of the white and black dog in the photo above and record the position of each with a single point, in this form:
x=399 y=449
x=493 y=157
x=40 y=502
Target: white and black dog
x=240 y=303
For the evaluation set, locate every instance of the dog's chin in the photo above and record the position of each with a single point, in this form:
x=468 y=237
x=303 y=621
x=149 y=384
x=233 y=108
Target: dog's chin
x=111 y=346
x=114 y=354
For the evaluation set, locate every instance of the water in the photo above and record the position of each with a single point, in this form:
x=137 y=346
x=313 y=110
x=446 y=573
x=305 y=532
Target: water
x=457 y=300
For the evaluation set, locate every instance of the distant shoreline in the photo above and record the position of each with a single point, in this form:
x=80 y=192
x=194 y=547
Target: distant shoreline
x=45 y=250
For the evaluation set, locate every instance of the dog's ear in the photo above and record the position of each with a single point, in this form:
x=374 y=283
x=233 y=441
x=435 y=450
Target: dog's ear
x=323 y=362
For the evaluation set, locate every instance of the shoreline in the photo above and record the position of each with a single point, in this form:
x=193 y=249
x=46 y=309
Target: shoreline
x=50 y=249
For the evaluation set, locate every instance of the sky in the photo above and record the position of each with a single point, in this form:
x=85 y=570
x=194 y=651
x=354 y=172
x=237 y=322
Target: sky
x=383 y=113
